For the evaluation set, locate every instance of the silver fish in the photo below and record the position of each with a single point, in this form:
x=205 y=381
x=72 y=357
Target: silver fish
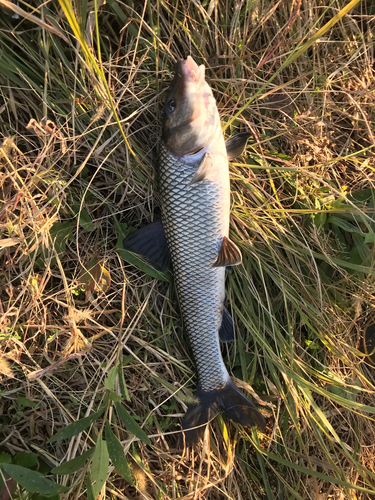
x=194 y=233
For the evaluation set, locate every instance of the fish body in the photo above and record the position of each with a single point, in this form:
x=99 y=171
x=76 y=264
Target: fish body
x=195 y=194
x=195 y=219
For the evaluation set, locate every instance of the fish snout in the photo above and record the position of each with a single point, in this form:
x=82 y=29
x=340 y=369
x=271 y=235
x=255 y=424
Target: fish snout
x=189 y=70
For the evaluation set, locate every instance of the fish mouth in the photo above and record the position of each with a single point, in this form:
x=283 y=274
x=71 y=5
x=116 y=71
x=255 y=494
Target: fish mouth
x=189 y=70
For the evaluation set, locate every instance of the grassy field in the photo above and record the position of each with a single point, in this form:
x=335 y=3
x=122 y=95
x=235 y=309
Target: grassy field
x=88 y=335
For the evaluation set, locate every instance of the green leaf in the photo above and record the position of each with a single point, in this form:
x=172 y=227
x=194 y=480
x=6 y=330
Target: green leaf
x=123 y=388
x=74 y=464
x=349 y=393
x=366 y=256
x=100 y=464
x=28 y=460
x=343 y=224
x=44 y=497
x=130 y=424
x=117 y=455
x=320 y=219
x=76 y=427
x=109 y=381
x=362 y=195
x=5 y=458
x=370 y=237
x=113 y=396
x=90 y=493
x=85 y=220
x=33 y=481
x=120 y=14
x=25 y=403
x=345 y=393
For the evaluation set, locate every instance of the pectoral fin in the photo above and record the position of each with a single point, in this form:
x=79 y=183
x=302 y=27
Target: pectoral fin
x=205 y=170
x=229 y=254
x=236 y=145
x=151 y=243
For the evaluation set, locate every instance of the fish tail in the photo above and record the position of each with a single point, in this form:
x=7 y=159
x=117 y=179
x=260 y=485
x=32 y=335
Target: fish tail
x=229 y=400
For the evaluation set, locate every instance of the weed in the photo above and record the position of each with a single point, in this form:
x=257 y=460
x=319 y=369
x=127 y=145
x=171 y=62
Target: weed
x=96 y=370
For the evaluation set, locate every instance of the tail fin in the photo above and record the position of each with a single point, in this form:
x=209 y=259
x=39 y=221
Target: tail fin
x=230 y=400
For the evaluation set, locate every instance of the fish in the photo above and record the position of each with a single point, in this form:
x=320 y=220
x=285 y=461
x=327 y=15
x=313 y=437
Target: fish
x=193 y=234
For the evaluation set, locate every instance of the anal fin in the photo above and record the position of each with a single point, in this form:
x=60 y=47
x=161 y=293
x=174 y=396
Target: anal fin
x=227 y=331
x=151 y=243
x=229 y=254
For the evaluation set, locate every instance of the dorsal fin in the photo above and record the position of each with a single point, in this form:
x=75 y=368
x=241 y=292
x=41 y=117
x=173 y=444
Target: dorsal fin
x=236 y=145
x=204 y=171
x=229 y=254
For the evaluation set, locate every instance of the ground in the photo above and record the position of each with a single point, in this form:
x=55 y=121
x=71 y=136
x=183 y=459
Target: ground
x=87 y=332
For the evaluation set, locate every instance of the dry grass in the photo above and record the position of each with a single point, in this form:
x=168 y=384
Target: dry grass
x=80 y=130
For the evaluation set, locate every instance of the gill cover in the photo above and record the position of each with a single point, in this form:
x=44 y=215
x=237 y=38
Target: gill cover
x=190 y=113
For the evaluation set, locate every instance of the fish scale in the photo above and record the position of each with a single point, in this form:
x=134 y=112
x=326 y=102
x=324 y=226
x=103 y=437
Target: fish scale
x=191 y=218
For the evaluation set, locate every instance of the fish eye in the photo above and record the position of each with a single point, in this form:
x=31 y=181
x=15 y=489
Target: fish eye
x=171 y=106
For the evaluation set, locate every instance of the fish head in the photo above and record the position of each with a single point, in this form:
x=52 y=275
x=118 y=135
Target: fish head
x=190 y=112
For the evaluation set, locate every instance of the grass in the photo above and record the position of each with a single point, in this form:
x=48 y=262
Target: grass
x=86 y=333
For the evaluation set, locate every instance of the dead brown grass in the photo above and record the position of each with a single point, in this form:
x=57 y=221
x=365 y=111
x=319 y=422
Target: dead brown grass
x=66 y=177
